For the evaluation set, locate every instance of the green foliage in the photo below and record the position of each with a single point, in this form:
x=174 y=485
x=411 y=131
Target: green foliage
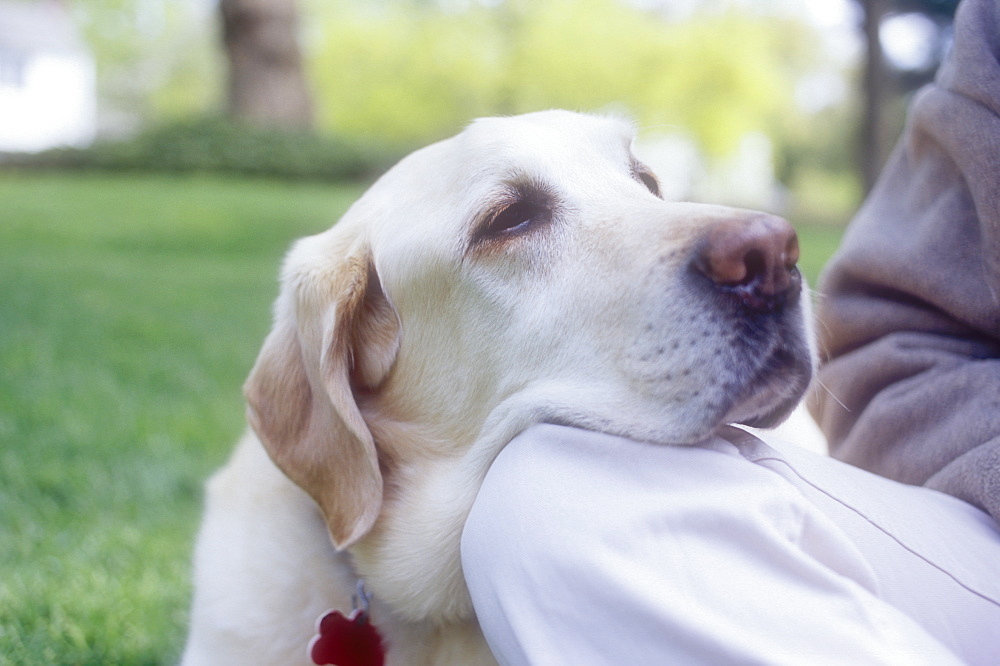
x=131 y=309
x=402 y=73
x=216 y=145
x=157 y=59
x=407 y=73
x=824 y=196
x=816 y=165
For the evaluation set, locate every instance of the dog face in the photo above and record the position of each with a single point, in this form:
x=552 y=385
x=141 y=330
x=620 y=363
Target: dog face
x=523 y=271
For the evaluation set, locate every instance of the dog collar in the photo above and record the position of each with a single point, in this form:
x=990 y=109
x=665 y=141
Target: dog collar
x=350 y=640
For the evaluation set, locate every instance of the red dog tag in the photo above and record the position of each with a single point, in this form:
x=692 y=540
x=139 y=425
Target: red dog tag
x=347 y=641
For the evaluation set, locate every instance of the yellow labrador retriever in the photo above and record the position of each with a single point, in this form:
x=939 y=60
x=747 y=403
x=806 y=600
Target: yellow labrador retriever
x=523 y=271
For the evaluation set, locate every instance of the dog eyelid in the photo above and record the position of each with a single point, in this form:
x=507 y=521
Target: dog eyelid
x=515 y=216
x=520 y=209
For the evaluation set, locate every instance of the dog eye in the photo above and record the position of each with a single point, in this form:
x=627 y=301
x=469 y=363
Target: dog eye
x=521 y=208
x=516 y=217
x=648 y=179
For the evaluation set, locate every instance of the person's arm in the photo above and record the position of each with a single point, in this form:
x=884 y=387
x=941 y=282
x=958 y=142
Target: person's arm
x=909 y=312
x=593 y=550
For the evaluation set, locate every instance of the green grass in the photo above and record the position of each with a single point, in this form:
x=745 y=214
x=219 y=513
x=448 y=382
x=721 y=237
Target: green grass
x=131 y=309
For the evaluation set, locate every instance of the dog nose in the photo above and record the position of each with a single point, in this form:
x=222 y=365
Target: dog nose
x=753 y=260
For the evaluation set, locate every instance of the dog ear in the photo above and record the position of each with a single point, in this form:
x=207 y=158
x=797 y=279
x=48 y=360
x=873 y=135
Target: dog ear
x=335 y=332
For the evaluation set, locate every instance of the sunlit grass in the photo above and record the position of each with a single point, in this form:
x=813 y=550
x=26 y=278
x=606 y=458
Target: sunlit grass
x=131 y=309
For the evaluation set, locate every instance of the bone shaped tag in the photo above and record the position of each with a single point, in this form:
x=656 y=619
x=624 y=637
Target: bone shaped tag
x=348 y=641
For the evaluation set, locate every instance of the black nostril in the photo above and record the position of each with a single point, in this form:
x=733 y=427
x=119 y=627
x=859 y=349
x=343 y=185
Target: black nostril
x=752 y=259
x=756 y=266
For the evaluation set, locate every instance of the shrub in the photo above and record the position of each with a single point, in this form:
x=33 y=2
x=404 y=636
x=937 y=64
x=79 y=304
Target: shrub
x=215 y=145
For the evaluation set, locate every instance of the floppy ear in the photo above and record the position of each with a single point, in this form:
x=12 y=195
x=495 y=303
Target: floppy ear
x=335 y=331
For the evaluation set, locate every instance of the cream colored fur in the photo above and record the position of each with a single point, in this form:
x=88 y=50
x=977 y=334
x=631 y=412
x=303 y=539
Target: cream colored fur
x=409 y=347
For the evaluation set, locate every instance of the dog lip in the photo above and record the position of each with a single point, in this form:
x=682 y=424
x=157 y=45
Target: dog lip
x=771 y=418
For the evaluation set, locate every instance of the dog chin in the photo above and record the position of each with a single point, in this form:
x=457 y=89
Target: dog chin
x=768 y=418
x=770 y=404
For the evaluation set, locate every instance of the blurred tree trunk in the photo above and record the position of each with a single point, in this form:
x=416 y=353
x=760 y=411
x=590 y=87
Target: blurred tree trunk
x=266 y=82
x=872 y=148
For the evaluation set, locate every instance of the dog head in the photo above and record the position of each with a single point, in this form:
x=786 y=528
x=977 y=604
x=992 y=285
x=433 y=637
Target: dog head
x=523 y=271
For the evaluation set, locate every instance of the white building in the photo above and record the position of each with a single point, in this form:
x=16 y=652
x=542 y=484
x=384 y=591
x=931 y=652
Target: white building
x=48 y=94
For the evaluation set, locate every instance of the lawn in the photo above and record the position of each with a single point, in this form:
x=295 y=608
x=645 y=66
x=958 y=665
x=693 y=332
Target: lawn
x=131 y=308
x=130 y=311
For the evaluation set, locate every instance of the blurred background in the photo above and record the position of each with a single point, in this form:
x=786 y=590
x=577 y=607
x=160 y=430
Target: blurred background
x=777 y=103
x=158 y=156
